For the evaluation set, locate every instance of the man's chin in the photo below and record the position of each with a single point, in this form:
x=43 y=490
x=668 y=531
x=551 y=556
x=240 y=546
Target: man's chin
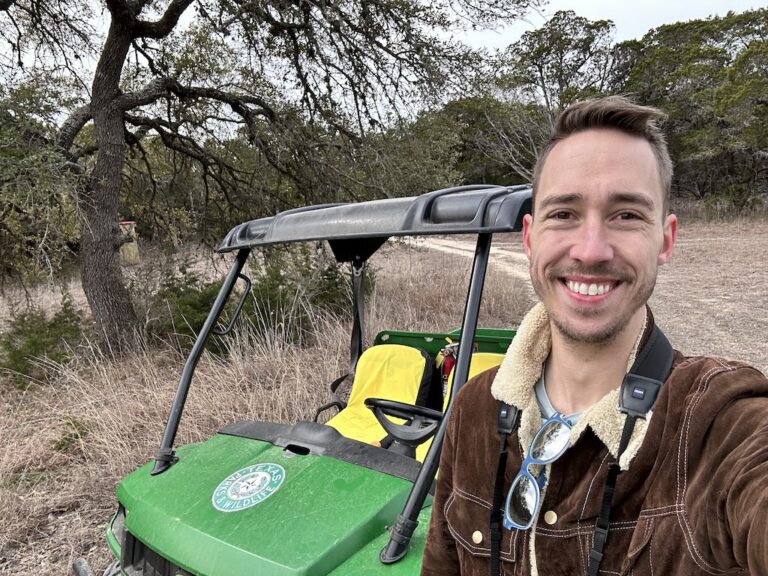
x=591 y=334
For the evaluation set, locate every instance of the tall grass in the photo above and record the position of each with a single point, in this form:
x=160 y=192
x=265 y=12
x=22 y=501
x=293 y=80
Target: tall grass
x=64 y=447
x=719 y=209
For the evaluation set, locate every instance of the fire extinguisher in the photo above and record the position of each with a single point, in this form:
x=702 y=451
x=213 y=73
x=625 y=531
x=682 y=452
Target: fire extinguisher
x=449 y=354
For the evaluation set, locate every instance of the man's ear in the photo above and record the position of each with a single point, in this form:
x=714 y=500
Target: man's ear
x=670 y=236
x=527 y=223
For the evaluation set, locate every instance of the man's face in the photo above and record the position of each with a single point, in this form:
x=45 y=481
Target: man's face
x=598 y=233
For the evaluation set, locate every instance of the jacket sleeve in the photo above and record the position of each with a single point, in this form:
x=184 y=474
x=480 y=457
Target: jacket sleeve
x=727 y=491
x=440 y=554
x=746 y=499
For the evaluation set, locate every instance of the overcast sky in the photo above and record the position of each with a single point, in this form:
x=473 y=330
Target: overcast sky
x=632 y=19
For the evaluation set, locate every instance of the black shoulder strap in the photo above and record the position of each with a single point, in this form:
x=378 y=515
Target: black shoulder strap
x=655 y=358
x=506 y=423
x=638 y=394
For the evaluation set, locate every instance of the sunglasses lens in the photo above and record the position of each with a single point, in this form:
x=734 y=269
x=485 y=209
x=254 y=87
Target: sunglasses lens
x=550 y=442
x=522 y=500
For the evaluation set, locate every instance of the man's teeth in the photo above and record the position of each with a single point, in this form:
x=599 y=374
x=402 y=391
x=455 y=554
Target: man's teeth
x=588 y=289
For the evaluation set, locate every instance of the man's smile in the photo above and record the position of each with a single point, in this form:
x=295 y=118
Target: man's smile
x=586 y=287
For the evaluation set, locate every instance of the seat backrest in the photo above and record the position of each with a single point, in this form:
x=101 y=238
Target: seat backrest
x=481 y=361
x=389 y=371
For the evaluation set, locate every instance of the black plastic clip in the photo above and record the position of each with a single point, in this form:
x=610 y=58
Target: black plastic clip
x=638 y=395
x=507 y=419
x=166 y=455
x=400 y=536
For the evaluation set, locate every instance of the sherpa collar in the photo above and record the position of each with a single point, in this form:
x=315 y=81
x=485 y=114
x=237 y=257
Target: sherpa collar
x=521 y=369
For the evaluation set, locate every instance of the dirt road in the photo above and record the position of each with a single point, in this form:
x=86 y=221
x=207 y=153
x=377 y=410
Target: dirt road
x=712 y=298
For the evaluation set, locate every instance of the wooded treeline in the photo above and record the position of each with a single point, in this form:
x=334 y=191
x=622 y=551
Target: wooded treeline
x=189 y=116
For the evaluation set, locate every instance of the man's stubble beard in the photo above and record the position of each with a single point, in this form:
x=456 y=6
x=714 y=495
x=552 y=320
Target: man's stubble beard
x=613 y=328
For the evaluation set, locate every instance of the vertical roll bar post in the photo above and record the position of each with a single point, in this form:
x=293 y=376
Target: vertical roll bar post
x=400 y=535
x=165 y=456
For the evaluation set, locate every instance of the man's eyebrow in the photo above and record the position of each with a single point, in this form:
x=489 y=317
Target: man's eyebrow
x=634 y=198
x=560 y=199
x=617 y=197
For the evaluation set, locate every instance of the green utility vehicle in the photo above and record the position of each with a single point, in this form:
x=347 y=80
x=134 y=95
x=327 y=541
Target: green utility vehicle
x=278 y=499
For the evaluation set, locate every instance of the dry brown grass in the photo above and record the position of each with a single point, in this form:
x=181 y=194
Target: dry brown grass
x=54 y=504
x=425 y=290
x=716 y=211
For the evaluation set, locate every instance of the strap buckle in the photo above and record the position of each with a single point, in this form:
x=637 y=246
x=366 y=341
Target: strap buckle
x=507 y=419
x=595 y=556
x=599 y=538
x=596 y=553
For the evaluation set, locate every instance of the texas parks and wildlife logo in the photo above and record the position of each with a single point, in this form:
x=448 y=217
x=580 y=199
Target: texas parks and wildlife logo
x=248 y=487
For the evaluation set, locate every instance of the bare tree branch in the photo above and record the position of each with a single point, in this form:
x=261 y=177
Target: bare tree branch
x=71 y=127
x=161 y=28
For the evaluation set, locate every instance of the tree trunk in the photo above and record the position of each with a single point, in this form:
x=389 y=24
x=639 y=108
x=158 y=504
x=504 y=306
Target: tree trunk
x=102 y=278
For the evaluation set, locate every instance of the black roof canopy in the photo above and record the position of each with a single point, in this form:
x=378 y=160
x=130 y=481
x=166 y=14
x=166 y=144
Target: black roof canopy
x=462 y=210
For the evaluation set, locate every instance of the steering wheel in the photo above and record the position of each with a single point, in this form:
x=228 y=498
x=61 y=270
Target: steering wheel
x=420 y=423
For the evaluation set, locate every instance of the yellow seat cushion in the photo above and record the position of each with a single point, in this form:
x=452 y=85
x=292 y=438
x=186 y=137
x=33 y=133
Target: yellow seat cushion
x=389 y=371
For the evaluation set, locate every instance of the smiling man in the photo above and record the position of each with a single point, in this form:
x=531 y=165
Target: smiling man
x=596 y=448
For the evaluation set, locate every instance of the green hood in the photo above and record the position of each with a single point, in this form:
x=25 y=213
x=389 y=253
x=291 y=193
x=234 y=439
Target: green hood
x=300 y=514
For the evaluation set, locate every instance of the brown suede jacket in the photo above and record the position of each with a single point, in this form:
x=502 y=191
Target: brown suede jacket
x=692 y=497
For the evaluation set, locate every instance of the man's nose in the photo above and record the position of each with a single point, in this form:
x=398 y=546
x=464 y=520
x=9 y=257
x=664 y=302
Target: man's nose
x=592 y=244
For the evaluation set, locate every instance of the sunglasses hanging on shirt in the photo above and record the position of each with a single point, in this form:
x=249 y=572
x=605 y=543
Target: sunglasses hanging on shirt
x=524 y=497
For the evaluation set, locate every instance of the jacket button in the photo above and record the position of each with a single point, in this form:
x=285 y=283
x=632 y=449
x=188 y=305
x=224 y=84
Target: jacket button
x=477 y=537
x=550 y=517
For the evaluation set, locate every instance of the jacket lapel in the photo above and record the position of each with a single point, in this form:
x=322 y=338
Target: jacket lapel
x=521 y=369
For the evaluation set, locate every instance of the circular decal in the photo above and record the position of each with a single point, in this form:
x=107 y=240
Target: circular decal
x=248 y=487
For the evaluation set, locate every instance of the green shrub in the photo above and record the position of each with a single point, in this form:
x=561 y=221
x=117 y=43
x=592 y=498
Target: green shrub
x=32 y=335
x=323 y=282
x=277 y=302
x=74 y=431
x=286 y=283
x=291 y=281
x=180 y=306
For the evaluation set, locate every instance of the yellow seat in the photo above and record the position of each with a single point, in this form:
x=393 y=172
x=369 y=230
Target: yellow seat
x=389 y=371
x=481 y=361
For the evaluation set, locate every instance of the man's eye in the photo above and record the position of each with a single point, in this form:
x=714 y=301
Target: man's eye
x=628 y=216
x=560 y=215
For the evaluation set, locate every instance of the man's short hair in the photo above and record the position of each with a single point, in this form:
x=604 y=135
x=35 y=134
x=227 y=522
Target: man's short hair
x=618 y=113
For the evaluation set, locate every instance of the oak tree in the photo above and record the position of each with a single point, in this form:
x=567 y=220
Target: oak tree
x=193 y=74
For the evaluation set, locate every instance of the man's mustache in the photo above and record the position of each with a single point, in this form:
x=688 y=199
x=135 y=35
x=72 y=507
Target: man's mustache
x=603 y=271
